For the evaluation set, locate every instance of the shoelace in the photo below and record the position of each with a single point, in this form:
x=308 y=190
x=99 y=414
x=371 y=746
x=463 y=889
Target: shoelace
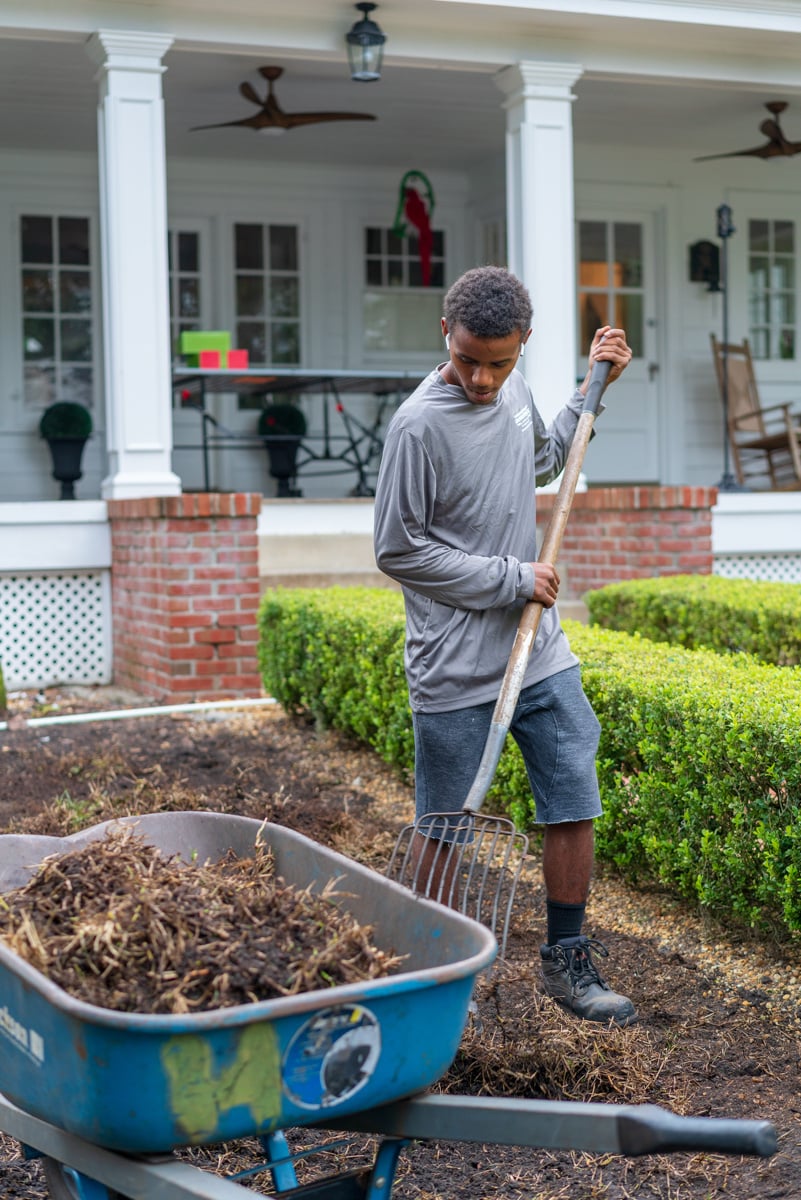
x=579 y=963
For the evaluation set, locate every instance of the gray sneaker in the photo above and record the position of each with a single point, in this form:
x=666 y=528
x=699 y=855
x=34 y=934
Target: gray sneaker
x=572 y=978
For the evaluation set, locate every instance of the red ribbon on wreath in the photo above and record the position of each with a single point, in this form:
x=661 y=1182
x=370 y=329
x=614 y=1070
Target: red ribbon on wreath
x=417 y=209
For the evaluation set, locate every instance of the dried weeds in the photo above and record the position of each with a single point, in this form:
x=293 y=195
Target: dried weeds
x=118 y=925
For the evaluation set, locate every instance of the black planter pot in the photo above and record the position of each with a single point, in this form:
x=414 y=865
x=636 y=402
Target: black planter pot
x=67 y=453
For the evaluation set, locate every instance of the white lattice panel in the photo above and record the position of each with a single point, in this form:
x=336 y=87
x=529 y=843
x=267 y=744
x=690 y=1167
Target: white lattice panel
x=55 y=628
x=779 y=568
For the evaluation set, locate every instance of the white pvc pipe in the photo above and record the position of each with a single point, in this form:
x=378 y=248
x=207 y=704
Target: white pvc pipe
x=120 y=714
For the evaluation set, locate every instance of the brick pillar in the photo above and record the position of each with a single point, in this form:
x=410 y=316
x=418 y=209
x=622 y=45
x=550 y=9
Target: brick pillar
x=632 y=533
x=185 y=590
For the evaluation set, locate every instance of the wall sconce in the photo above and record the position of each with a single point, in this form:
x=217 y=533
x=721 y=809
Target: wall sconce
x=365 y=47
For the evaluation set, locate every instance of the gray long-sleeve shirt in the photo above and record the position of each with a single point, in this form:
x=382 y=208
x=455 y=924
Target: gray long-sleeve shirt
x=455 y=526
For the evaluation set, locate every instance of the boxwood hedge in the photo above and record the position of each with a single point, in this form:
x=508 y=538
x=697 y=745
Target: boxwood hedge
x=728 y=615
x=699 y=761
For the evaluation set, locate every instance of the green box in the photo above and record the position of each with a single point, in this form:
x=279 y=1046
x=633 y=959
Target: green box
x=193 y=341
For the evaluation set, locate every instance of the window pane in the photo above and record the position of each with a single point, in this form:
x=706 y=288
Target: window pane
x=592 y=254
x=37 y=291
x=250 y=337
x=758 y=235
x=283 y=248
x=76 y=385
x=75 y=291
x=593 y=309
x=76 y=341
x=372 y=241
x=784 y=240
x=373 y=274
x=39 y=338
x=394 y=272
x=394 y=243
x=758 y=272
x=284 y=298
x=37 y=239
x=759 y=343
x=40 y=385
x=188 y=252
x=782 y=310
x=629 y=316
x=787 y=343
x=628 y=255
x=438 y=275
x=285 y=343
x=249 y=252
x=250 y=295
x=758 y=309
x=73 y=241
x=438 y=244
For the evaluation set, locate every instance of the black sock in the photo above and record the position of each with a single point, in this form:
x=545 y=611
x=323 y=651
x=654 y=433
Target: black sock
x=564 y=920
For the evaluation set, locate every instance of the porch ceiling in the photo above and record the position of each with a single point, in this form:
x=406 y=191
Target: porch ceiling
x=427 y=116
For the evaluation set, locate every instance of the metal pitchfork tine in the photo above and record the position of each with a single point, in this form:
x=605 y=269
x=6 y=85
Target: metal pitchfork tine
x=466 y=860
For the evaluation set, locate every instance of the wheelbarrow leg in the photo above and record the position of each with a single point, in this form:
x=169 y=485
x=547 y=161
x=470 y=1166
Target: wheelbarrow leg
x=282 y=1168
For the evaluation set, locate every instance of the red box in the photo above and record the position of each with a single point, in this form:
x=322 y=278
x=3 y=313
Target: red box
x=238 y=359
x=209 y=358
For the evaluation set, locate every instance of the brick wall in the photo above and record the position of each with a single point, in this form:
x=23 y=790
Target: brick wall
x=631 y=533
x=185 y=590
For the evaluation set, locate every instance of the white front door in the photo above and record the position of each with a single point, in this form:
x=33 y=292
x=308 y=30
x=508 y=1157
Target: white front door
x=616 y=285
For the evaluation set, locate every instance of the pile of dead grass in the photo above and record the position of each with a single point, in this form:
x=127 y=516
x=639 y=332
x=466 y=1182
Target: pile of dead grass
x=121 y=926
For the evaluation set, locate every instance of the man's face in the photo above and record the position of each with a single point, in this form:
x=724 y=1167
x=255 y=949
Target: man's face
x=481 y=366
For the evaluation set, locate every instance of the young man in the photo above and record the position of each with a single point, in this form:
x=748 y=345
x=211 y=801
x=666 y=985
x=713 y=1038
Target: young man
x=455 y=526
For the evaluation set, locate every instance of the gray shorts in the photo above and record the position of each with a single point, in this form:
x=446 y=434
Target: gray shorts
x=556 y=730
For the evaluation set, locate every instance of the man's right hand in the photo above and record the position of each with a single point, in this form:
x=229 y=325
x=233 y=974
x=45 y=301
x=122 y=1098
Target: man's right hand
x=546 y=584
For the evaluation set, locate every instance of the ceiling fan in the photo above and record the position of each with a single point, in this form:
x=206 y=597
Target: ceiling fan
x=777 y=145
x=271 y=117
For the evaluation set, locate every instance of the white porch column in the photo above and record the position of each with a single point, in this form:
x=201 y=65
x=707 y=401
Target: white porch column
x=540 y=219
x=133 y=229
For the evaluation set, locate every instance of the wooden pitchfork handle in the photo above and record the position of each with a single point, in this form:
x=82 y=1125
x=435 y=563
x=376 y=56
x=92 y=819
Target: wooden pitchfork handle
x=532 y=610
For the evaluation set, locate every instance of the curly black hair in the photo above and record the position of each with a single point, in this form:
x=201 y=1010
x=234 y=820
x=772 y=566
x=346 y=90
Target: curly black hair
x=489 y=302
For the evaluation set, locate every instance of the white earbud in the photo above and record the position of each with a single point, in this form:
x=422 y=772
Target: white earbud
x=522 y=349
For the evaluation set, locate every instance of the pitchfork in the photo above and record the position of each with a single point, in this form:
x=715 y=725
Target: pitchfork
x=466 y=860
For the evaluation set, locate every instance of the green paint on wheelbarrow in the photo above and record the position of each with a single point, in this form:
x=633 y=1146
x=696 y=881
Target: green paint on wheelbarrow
x=200 y=1091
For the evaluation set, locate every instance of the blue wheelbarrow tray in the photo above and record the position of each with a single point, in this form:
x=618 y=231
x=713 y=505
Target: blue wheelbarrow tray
x=147 y=1083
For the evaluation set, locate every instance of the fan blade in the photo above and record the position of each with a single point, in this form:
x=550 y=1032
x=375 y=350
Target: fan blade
x=249 y=92
x=313 y=118
x=768 y=150
x=251 y=122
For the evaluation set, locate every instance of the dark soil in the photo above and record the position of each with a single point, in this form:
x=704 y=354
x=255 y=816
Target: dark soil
x=702 y=1046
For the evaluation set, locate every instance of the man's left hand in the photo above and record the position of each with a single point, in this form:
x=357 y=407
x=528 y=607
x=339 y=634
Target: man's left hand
x=609 y=345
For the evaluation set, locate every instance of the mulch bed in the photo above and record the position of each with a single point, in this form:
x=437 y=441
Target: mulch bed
x=710 y=1041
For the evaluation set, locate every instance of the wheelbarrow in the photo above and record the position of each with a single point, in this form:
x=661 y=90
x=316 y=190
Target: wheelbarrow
x=105 y=1097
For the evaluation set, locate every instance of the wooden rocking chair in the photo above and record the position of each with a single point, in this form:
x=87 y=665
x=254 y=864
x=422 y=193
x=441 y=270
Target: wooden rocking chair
x=765 y=441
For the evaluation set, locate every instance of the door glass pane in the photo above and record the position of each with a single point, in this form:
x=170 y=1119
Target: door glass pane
x=37 y=291
x=39 y=338
x=285 y=343
x=758 y=235
x=76 y=385
x=37 y=239
x=249 y=247
x=73 y=241
x=76 y=294
x=76 y=341
x=250 y=337
x=188 y=252
x=284 y=298
x=783 y=273
x=785 y=237
x=250 y=295
x=628 y=255
x=593 y=254
x=189 y=297
x=594 y=314
x=758 y=272
x=283 y=248
x=629 y=316
x=787 y=343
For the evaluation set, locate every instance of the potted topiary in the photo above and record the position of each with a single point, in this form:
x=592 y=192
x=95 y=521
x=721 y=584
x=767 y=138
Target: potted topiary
x=282 y=426
x=66 y=427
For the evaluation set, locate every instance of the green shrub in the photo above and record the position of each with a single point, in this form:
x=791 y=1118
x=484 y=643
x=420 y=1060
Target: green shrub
x=65 y=420
x=699 y=761
x=729 y=615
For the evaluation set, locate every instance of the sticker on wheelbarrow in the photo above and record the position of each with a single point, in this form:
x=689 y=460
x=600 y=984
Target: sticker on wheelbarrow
x=332 y=1056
